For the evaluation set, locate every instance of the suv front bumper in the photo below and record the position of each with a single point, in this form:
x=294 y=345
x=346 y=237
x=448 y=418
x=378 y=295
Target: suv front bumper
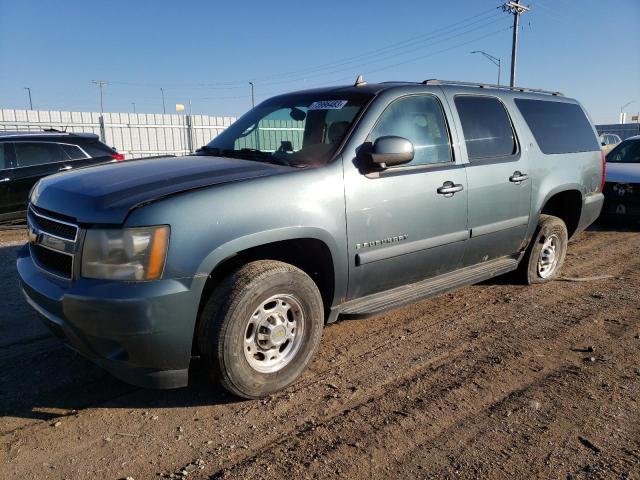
x=141 y=332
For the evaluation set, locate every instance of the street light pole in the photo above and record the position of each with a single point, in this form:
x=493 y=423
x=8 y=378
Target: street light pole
x=164 y=110
x=28 y=89
x=495 y=60
x=253 y=98
x=622 y=108
x=134 y=106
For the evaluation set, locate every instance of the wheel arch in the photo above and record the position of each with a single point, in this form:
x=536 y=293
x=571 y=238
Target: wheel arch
x=310 y=249
x=566 y=204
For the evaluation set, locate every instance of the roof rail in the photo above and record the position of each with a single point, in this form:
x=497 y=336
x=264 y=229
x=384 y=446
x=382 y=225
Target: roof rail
x=433 y=81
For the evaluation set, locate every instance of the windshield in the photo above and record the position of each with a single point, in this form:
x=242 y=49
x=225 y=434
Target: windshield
x=626 y=152
x=297 y=129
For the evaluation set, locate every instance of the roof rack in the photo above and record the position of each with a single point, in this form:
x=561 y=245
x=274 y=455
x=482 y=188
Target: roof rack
x=434 y=81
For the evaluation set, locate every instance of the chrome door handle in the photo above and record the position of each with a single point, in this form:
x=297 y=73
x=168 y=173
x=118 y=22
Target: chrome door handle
x=518 y=177
x=2 y=180
x=449 y=188
x=65 y=168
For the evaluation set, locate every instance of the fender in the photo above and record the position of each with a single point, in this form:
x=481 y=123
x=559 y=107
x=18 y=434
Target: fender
x=538 y=205
x=229 y=249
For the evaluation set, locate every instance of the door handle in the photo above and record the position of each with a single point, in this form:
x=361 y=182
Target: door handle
x=2 y=180
x=65 y=168
x=449 y=188
x=518 y=177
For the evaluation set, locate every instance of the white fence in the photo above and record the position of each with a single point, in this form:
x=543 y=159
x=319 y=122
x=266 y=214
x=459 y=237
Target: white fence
x=133 y=134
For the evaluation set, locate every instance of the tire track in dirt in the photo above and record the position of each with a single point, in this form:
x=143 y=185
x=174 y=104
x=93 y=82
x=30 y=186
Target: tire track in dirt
x=367 y=363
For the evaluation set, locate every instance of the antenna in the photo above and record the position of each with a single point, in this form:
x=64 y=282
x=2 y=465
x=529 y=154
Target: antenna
x=360 y=81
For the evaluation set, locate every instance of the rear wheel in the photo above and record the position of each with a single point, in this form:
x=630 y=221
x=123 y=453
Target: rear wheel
x=546 y=252
x=261 y=327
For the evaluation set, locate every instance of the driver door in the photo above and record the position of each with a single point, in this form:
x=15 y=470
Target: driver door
x=401 y=228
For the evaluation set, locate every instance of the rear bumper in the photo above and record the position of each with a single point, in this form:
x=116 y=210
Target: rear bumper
x=140 y=332
x=591 y=208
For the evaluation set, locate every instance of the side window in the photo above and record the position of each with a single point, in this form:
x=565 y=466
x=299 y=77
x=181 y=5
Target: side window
x=4 y=161
x=486 y=127
x=420 y=119
x=96 y=149
x=29 y=154
x=559 y=127
x=73 y=152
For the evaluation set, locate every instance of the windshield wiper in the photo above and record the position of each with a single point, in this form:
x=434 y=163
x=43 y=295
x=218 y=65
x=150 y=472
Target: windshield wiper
x=207 y=150
x=243 y=153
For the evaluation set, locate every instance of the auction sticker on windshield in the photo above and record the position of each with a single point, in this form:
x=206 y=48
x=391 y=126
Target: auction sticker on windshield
x=328 y=105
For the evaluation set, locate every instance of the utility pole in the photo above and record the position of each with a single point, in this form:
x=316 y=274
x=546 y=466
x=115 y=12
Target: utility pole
x=253 y=98
x=495 y=60
x=100 y=84
x=103 y=132
x=134 y=106
x=164 y=110
x=28 y=89
x=516 y=10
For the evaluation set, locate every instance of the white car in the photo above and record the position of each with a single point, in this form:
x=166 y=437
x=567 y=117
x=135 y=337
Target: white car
x=622 y=187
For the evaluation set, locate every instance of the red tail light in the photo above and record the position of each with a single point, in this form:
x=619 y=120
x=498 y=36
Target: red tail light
x=604 y=171
x=117 y=156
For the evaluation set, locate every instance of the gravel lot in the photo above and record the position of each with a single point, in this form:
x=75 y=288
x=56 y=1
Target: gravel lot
x=495 y=380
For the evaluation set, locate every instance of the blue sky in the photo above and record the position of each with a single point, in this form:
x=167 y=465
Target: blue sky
x=207 y=51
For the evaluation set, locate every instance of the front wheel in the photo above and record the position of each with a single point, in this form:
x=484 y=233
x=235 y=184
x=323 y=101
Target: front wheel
x=546 y=252
x=261 y=327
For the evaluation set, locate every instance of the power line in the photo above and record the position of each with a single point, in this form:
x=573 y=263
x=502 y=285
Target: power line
x=236 y=84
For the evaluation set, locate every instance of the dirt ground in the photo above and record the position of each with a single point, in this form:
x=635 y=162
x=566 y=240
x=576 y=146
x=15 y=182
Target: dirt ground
x=496 y=380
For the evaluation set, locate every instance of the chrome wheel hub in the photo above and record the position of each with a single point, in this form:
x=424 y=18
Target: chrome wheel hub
x=548 y=259
x=274 y=333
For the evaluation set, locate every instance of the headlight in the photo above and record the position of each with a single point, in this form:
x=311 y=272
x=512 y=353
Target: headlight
x=125 y=254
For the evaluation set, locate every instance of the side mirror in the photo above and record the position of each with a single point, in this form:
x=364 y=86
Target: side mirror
x=391 y=151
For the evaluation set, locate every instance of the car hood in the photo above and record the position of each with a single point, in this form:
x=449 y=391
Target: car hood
x=106 y=193
x=623 y=172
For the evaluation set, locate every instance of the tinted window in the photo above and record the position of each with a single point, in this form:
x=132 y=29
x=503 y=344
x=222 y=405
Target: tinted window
x=419 y=119
x=28 y=154
x=73 y=152
x=558 y=127
x=627 y=152
x=3 y=159
x=486 y=126
x=97 y=149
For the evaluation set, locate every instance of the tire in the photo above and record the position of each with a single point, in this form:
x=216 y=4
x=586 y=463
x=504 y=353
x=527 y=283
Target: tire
x=250 y=311
x=538 y=266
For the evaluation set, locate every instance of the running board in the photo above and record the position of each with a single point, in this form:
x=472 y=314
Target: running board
x=399 y=296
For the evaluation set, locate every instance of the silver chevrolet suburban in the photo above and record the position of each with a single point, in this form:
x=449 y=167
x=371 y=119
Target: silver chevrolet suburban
x=314 y=205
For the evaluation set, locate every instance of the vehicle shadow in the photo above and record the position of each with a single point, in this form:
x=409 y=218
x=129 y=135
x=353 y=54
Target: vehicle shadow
x=41 y=379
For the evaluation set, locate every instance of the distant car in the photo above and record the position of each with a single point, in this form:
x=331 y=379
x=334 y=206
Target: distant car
x=622 y=186
x=608 y=141
x=26 y=157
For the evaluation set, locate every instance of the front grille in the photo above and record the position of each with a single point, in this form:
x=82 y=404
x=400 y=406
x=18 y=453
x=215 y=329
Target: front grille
x=56 y=262
x=52 y=225
x=52 y=241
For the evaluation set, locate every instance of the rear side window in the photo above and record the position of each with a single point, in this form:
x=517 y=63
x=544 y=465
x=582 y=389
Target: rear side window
x=29 y=154
x=558 y=127
x=4 y=162
x=73 y=152
x=420 y=119
x=97 y=149
x=486 y=126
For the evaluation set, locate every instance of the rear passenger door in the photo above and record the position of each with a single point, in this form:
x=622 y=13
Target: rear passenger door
x=5 y=179
x=499 y=186
x=33 y=160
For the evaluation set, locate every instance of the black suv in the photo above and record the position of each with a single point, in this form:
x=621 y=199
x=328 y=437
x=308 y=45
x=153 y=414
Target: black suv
x=26 y=157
